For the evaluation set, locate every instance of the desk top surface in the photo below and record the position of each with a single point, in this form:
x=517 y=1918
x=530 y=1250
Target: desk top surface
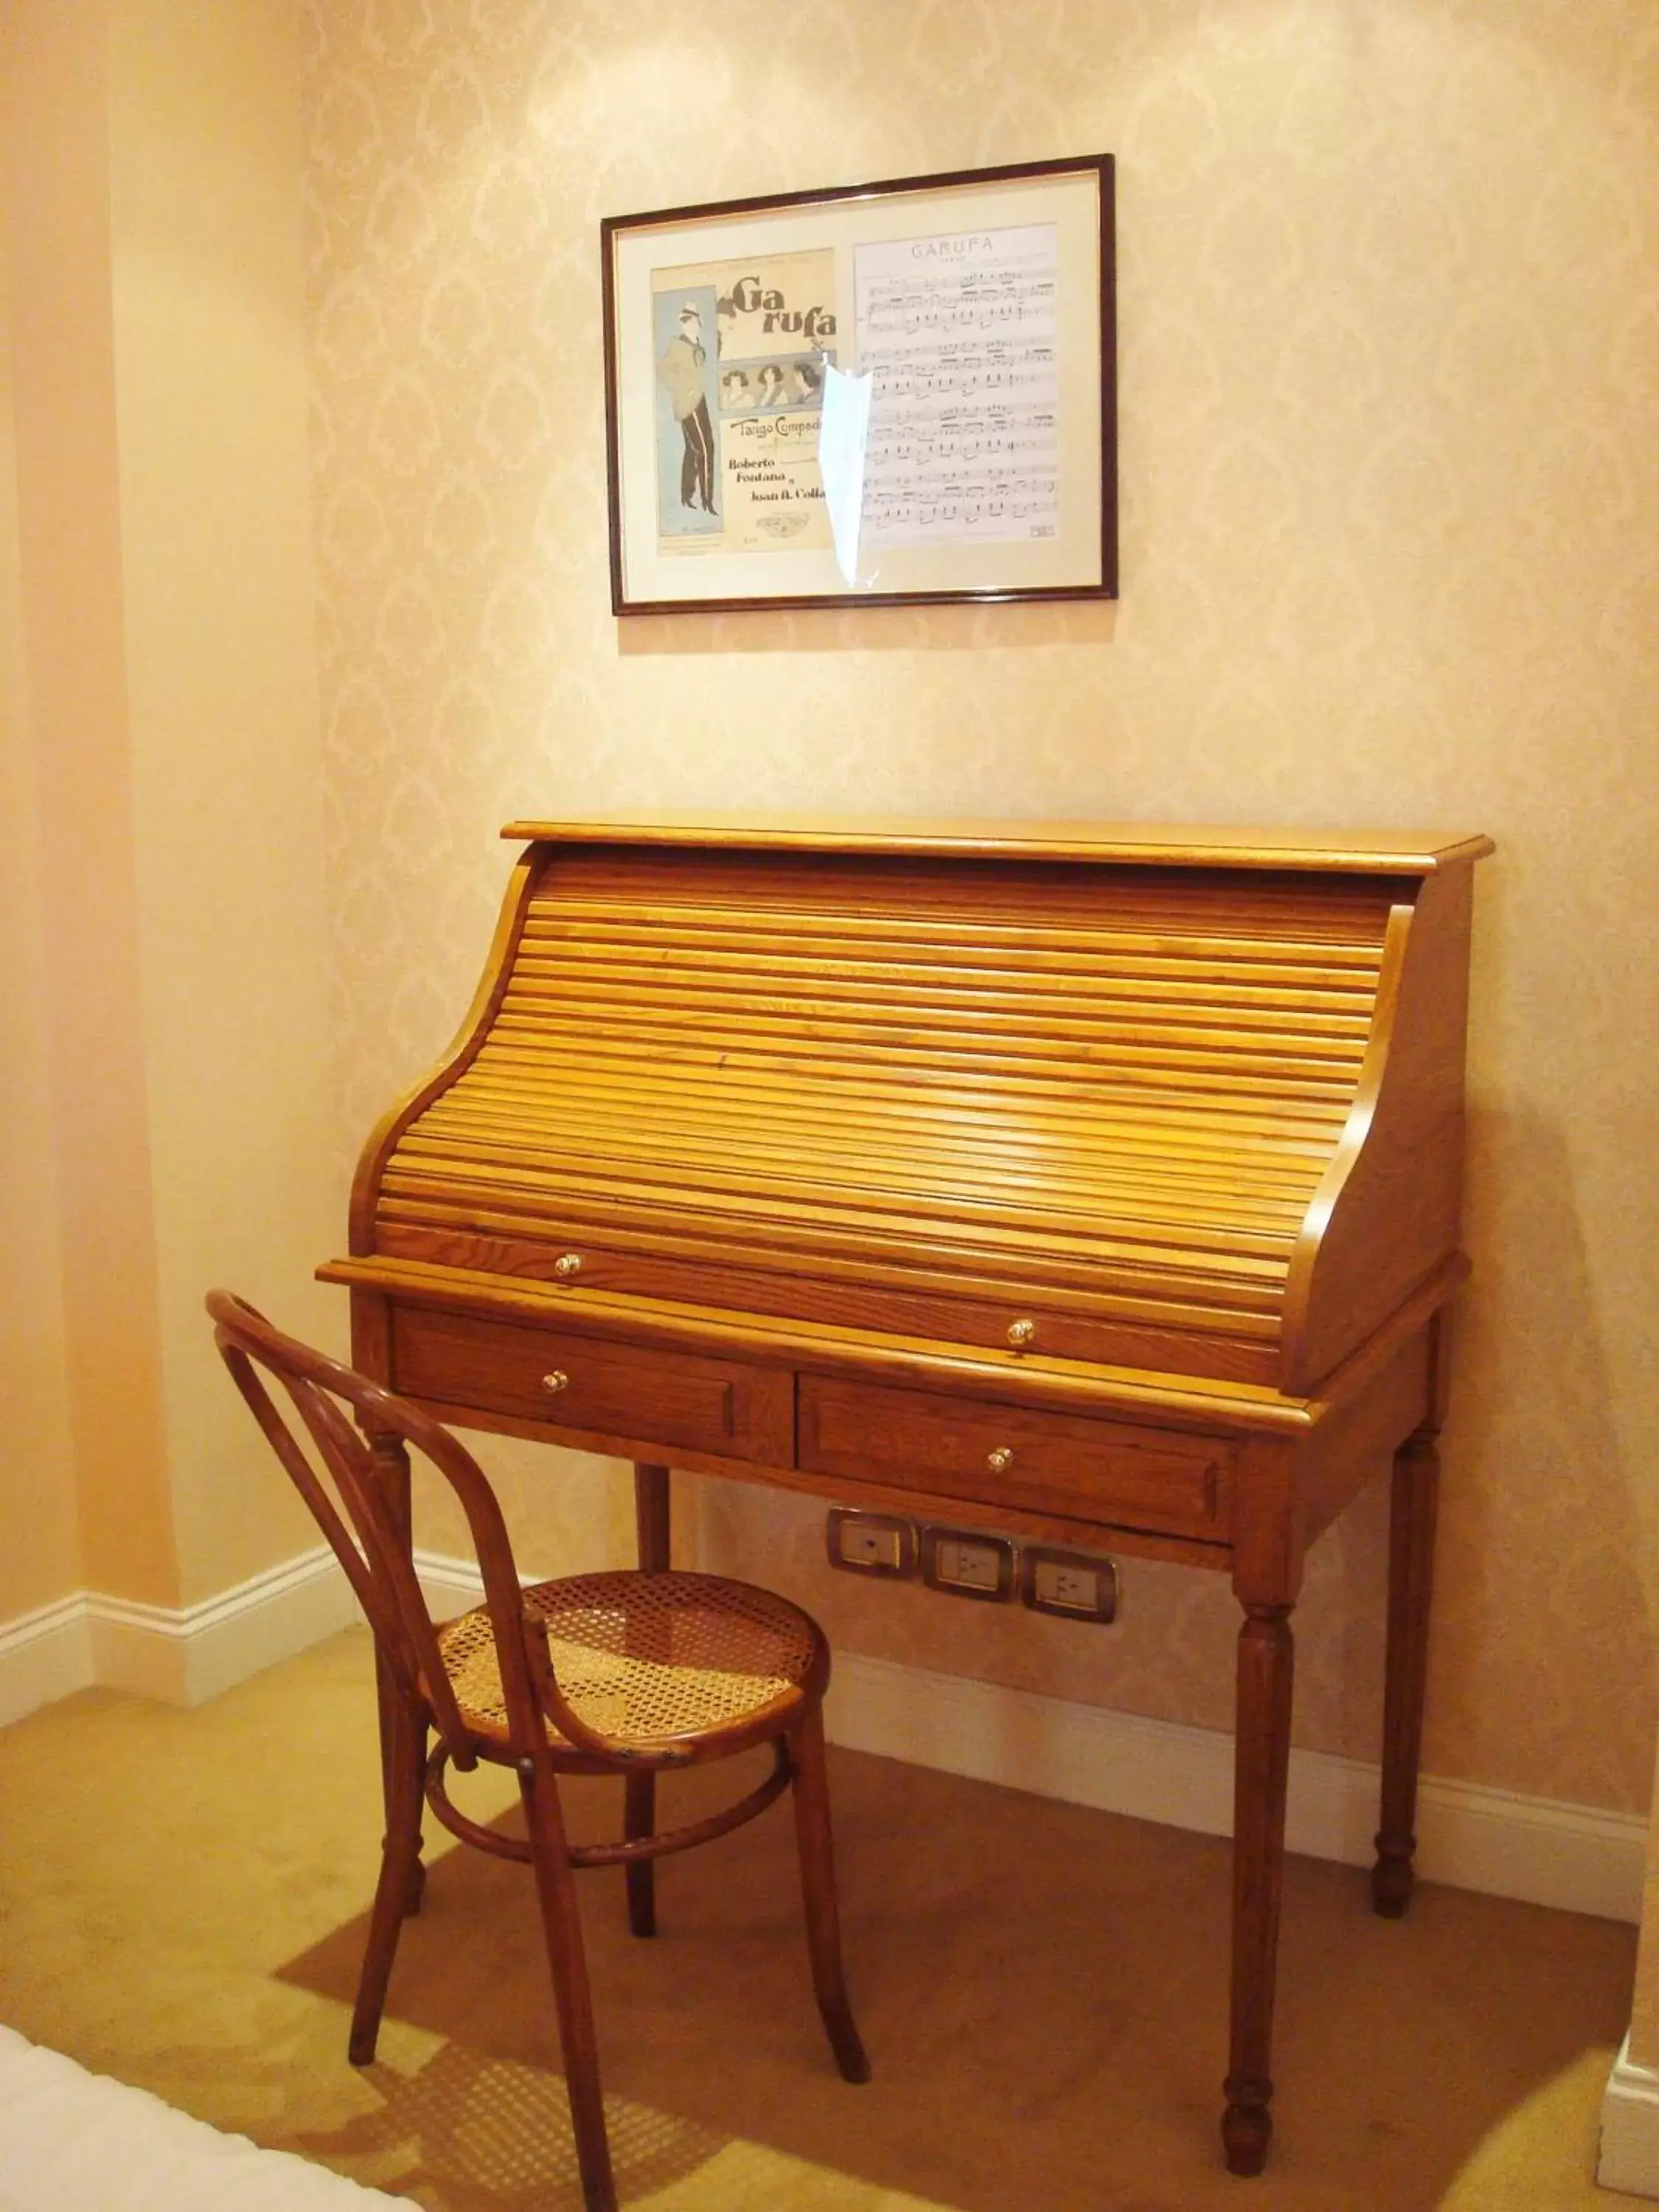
x=1367 y=851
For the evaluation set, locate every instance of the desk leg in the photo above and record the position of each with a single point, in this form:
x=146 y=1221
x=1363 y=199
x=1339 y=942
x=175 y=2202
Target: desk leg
x=651 y=1516
x=1412 y=1507
x=390 y=1461
x=652 y=1521
x=1265 y=1660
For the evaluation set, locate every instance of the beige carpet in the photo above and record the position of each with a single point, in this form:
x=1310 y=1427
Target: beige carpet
x=1042 y=1990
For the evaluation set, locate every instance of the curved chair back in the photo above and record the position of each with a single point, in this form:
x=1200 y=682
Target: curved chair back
x=359 y=1453
x=344 y=1441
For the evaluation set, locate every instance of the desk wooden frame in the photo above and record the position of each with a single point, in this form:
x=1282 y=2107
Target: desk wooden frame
x=1237 y=1477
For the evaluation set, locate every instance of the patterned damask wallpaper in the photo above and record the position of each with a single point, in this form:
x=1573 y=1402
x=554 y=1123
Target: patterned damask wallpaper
x=1389 y=311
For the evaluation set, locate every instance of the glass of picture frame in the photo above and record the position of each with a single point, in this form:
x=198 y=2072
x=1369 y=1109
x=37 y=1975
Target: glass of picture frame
x=900 y=393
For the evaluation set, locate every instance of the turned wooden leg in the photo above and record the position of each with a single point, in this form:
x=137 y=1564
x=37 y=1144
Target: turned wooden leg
x=1265 y=1659
x=1413 y=1503
x=390 y=1460
x=561 y=1926
x=652 y=1522
x=811 y=1794
x=652 y=1516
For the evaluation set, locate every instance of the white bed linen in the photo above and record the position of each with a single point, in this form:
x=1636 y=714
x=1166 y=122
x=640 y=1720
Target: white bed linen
x=75 y=2141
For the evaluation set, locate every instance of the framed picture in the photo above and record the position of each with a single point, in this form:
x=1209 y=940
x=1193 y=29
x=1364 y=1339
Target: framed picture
x=901 y=393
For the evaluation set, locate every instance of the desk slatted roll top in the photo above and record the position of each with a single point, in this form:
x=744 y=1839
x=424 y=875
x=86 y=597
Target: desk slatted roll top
x=1192 y=1108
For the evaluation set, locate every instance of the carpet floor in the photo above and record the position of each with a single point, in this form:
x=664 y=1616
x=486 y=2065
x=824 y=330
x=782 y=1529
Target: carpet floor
x=1043 y=1989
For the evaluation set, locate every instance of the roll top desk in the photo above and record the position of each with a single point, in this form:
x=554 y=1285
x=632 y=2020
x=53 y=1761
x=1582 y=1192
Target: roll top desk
x=1095 y=1184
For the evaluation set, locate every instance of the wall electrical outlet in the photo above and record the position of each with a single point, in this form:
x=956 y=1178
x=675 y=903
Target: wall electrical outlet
x=871 y=1543
x=1073 y=1584
x=967 y=1563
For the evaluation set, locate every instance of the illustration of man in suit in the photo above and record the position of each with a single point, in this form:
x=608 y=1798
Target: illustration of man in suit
x=680 y=372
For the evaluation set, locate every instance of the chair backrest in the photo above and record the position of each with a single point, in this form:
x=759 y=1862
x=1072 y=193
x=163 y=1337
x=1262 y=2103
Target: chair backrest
x=364 y=1528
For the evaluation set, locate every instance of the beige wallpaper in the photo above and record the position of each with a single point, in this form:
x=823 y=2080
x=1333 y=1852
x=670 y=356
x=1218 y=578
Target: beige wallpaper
x=33 y=1378
x=1644 y=2050
x=217 y=590
x=89 y=1183
x=1389 y=311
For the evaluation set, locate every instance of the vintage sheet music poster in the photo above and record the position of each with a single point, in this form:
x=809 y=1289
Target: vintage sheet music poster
x=902 y=393
x=741 y=350
x=957 y=334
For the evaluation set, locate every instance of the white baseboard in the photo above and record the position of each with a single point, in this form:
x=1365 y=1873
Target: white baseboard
x=451 y=1586
x=179 y=1654
x=1629 y=2129
x=1574 y=1857
x=43 y=1654
x=184 y=1655
x=188 y=1654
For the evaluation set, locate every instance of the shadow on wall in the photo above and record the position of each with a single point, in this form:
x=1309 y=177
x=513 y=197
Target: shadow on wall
x=1540 y=1538
x=870 y=629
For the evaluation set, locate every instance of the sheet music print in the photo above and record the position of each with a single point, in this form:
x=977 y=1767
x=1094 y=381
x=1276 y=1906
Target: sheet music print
x=959 y=333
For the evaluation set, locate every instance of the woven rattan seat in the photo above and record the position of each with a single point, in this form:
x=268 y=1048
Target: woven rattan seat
x=641 y=1658
x=630 y=1673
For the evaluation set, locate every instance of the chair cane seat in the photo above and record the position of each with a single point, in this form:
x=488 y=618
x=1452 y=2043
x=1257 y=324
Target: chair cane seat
x=644 y=1657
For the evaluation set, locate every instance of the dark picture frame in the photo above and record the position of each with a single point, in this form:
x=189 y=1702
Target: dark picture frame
x=902 y=393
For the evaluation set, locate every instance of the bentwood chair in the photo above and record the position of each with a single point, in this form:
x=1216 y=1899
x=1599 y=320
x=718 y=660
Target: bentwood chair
x=628 y=1674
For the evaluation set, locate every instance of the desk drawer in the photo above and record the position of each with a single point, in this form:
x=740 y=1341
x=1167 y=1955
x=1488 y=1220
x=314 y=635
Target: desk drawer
x=720 y=1406
x=1090 y=1470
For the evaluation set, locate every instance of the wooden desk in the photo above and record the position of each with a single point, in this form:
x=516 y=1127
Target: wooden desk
x=1098 y=1185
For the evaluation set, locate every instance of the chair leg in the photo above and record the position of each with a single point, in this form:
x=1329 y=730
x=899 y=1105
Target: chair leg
x=566 y=1959
x=639 y=1818
x=404 y=1768
x=390 y=1462
x=652 y=1522
x=817 y=1881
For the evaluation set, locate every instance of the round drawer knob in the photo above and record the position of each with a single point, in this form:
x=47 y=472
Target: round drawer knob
x=557 y=1381
x=1022 y=1333
x=1000 y=1459
x=567 y=1265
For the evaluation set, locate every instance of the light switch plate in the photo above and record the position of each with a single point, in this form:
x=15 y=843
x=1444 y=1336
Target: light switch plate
x=1073 y=1585
x=968 y=1564
x=871 y=1543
